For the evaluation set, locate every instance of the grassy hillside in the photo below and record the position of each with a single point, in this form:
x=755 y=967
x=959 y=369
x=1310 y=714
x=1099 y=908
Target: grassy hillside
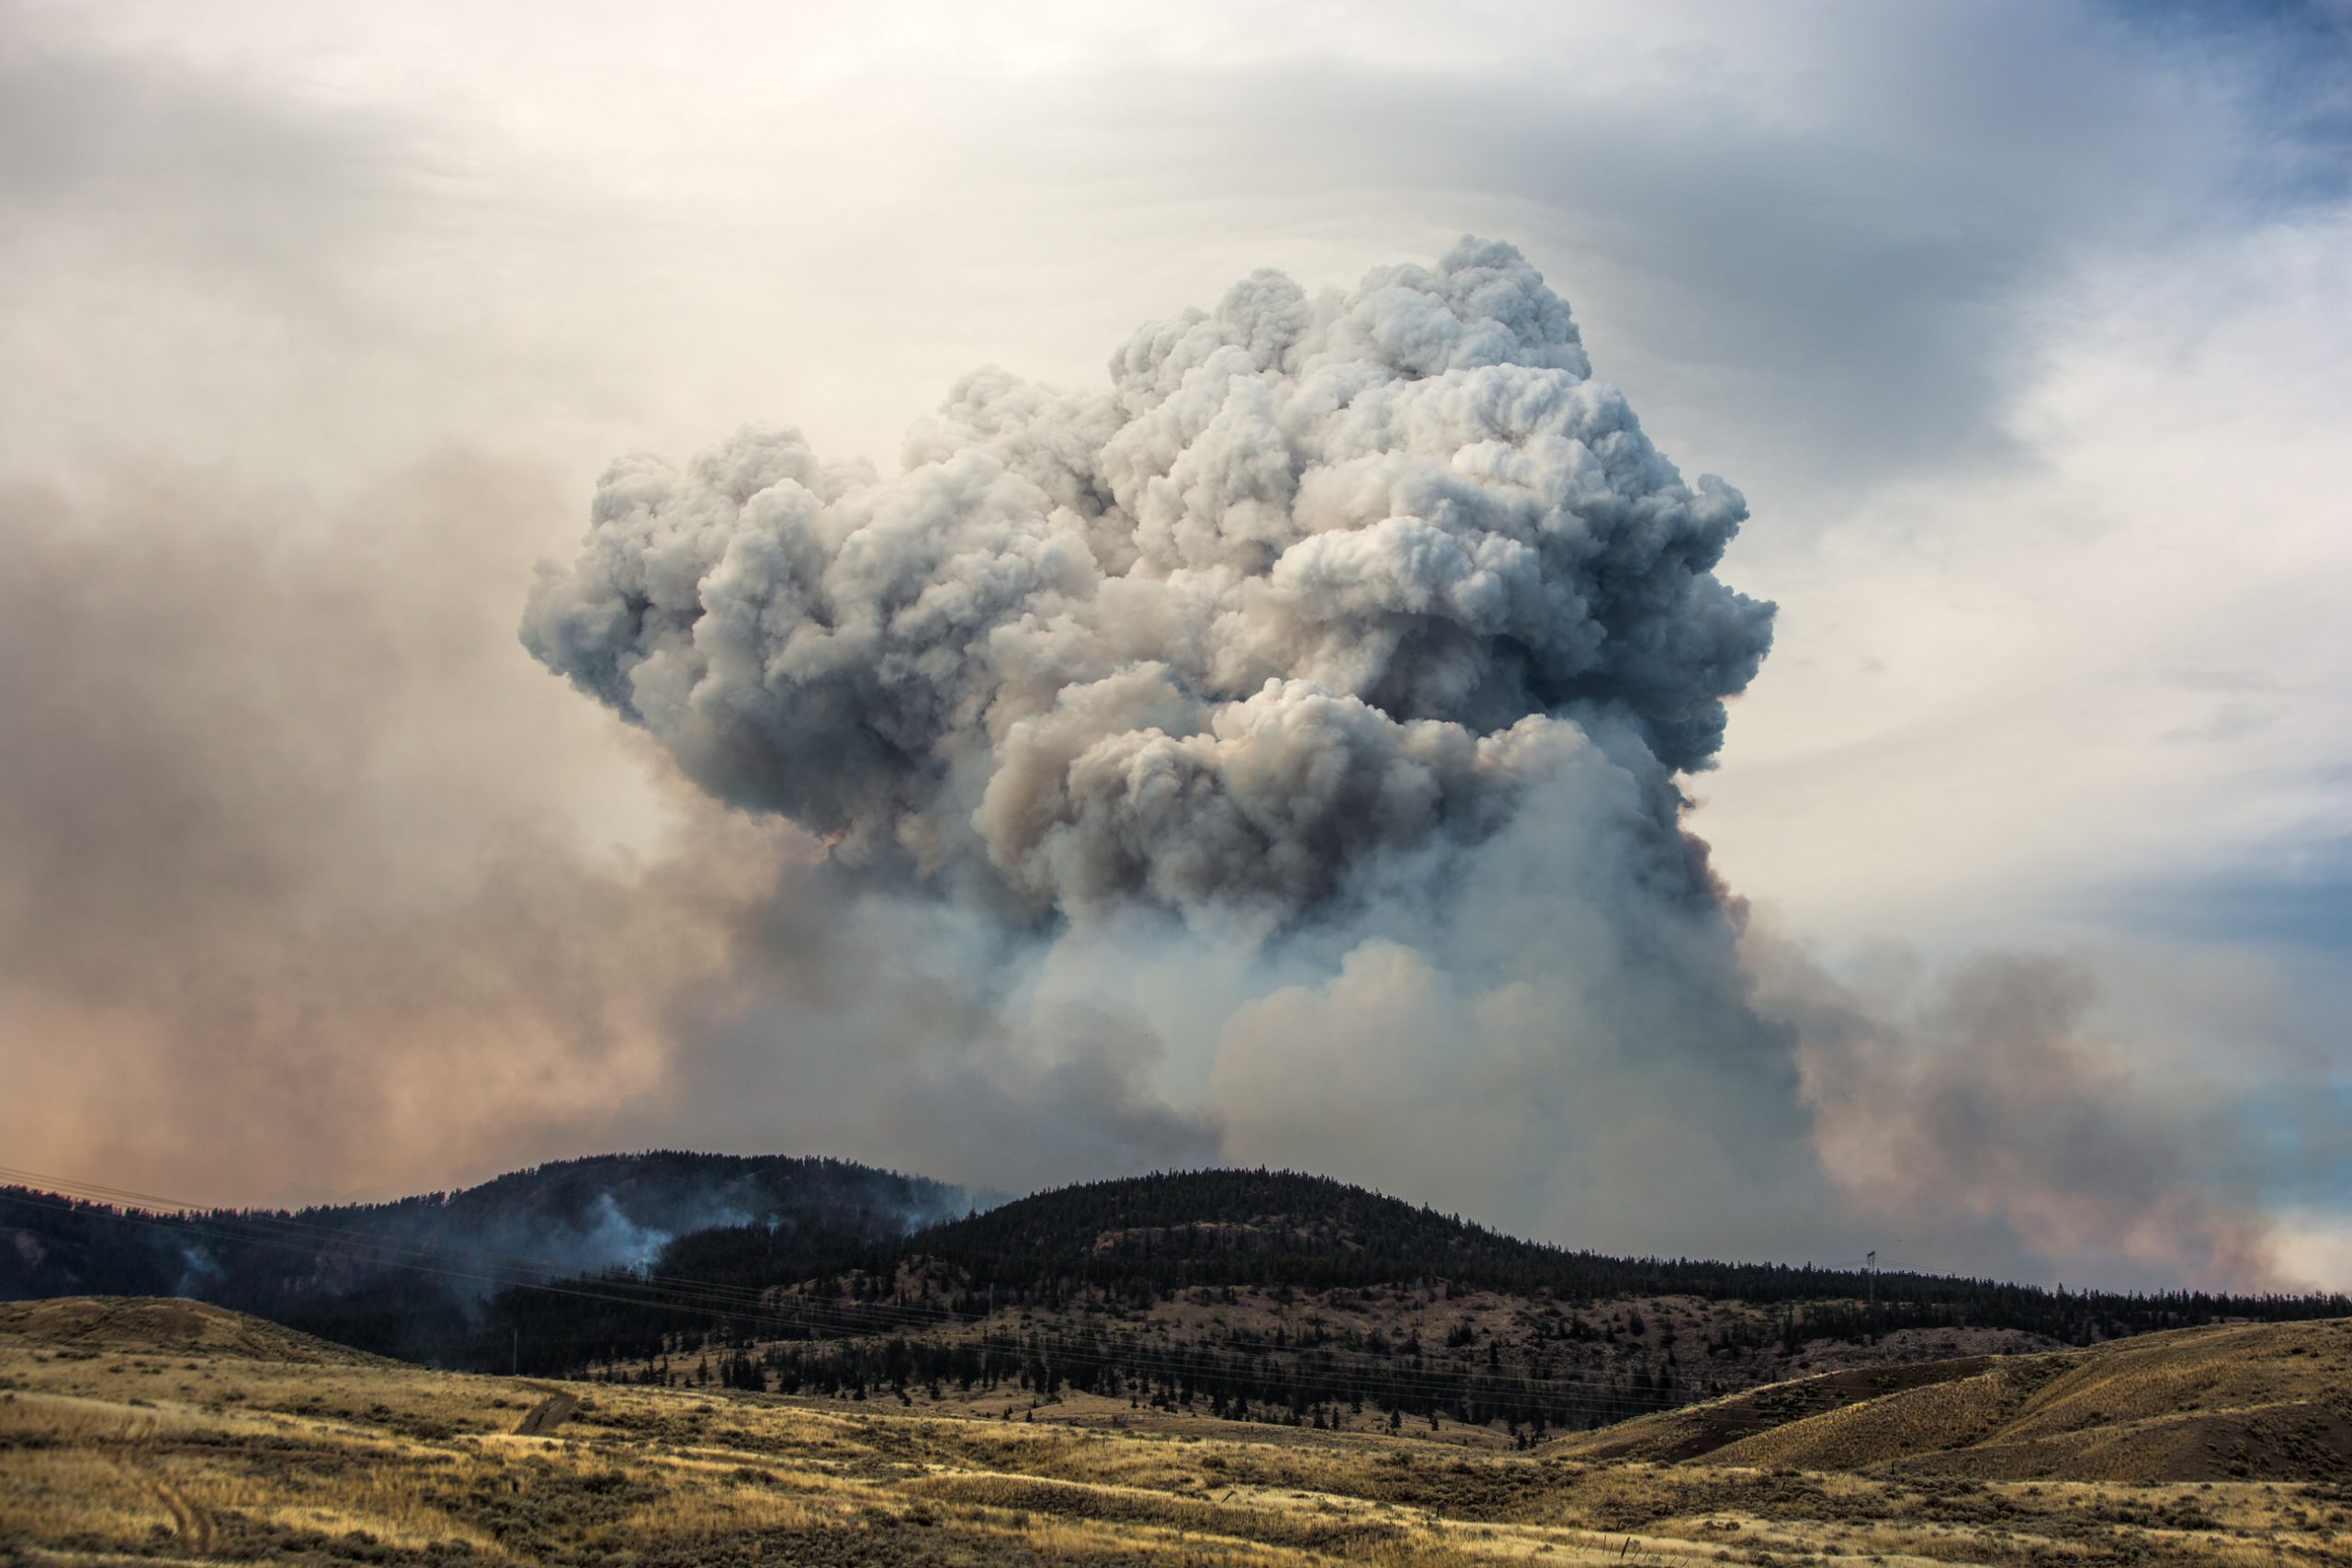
x=2231 y=1401
x=81 y=1328
x=173 y=1432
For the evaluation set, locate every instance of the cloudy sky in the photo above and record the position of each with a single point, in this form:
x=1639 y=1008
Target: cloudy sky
x=2026 y=331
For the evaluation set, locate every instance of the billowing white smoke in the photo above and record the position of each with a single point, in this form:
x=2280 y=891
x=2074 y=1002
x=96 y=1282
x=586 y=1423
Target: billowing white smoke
x=1316 y=582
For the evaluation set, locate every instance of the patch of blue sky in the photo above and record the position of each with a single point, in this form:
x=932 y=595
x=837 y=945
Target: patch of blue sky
x=2304 y=1134
x=2289 y=63
x=2298 y=904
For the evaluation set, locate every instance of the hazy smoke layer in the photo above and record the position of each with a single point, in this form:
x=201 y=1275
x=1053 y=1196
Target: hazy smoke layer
x=1314 y=581
x=1983 y=1106
x=308 y=886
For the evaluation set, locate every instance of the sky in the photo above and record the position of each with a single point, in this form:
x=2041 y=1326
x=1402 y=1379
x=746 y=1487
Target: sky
x=2022 y=329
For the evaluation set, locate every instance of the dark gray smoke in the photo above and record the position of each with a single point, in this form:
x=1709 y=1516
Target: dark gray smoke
x=1314 y=582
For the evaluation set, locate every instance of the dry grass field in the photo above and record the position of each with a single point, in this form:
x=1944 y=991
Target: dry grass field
x=2232 y=1402
x=152 y=1431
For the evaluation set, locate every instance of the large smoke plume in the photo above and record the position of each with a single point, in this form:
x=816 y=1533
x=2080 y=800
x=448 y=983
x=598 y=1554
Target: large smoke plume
x=1316 y=582
x=1279 y=755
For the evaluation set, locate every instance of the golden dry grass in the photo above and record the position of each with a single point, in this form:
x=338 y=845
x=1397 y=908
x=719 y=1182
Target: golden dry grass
x=2250 y=1401
x=164 y=1432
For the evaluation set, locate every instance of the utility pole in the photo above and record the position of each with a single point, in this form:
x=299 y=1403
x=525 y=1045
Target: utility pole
x=1869 y=1261
x=514 y=1366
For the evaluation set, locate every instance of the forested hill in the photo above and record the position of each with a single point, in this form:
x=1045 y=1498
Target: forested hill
x=408 y=1277
x=1273 y=1295
x=1141 y=1237
x=609 y=1259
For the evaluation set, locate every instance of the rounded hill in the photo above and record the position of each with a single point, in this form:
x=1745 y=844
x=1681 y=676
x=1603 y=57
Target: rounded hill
x=1281 y=1227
